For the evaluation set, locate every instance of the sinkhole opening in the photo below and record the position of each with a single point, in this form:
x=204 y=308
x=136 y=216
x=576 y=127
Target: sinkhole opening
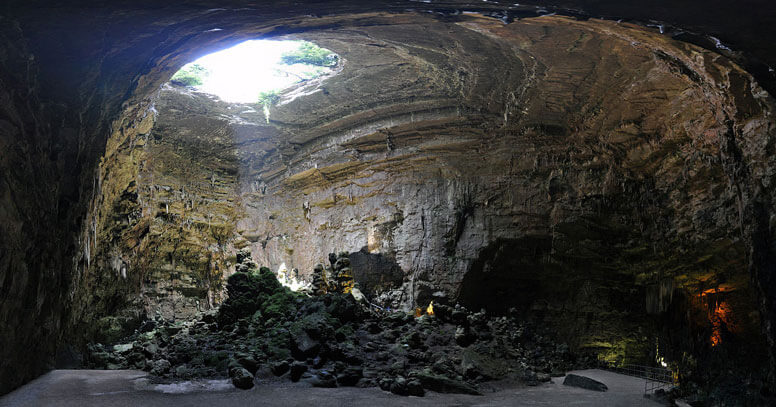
x=257 y=71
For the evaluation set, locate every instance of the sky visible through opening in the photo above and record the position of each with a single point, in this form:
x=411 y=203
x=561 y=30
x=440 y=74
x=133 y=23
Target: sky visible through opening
x=241 y=73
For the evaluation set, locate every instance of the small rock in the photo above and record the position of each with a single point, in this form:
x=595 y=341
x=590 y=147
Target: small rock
x=318 y=362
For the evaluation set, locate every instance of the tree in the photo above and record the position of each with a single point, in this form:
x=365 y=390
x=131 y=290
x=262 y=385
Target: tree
x=190 y=75
x=268 y=99
x=310 y=54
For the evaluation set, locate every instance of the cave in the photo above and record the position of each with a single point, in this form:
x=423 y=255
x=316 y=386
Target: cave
x=594 y=175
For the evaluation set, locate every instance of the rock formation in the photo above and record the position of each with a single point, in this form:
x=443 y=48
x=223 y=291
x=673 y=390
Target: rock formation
x=264 y=330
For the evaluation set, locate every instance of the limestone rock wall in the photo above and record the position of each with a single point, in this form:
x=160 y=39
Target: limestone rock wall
x=588 y=166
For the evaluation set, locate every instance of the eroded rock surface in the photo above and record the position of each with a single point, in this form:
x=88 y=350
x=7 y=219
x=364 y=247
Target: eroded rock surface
x=580 y=178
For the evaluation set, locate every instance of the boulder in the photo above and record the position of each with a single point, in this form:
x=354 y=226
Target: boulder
x=304 y=345
x=477 y=362
x=385 y=384
x=297 y=370
x=160 y=367
x=350 y=376
x=171 y=330
x=280 y=368
x=399 y=387
x=147 y=326
x=150 y=349
x=241 y=378
x=415 y=388
x=323 y=379
x=464 y=337
x=122 y=348
x=584 y=382
x=249 y=363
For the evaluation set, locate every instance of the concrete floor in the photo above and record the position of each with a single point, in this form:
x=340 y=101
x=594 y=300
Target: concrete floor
x=83 y=388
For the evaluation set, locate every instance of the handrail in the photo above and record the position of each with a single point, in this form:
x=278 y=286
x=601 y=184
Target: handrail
x=654 y=377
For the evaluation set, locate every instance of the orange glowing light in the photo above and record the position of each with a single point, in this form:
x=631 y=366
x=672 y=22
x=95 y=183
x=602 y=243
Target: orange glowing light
x=430 y=309
x=719 y=317
x=711 y=291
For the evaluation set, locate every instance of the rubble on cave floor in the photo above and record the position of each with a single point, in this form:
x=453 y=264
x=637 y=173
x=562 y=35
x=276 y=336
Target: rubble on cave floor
x=264 y=331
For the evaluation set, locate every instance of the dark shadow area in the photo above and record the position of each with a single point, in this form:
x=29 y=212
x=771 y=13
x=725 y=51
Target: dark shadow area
x=375 y=272
x=508 y=274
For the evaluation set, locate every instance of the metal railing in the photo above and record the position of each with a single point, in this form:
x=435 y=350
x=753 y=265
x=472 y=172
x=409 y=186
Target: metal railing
x=654 y=377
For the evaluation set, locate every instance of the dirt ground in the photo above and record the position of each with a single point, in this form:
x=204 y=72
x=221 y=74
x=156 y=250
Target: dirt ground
x=105 y=388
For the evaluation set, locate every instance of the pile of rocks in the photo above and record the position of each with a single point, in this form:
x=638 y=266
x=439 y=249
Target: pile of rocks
x=265 y=330
x=337 y=278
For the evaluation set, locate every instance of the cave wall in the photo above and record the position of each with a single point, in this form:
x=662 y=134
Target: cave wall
x=573 y=193
x=79 y=80
x=600 y=146
x=32 y=285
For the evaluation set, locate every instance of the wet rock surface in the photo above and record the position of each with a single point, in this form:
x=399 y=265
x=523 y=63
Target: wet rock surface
x=264 y=330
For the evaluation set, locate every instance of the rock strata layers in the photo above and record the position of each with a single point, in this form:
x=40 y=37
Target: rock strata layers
x=589 y=173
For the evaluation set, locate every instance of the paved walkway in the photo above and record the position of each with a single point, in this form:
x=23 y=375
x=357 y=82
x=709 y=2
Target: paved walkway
x=84 y=388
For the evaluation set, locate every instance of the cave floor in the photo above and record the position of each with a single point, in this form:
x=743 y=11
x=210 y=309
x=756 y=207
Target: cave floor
x=107 y=388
